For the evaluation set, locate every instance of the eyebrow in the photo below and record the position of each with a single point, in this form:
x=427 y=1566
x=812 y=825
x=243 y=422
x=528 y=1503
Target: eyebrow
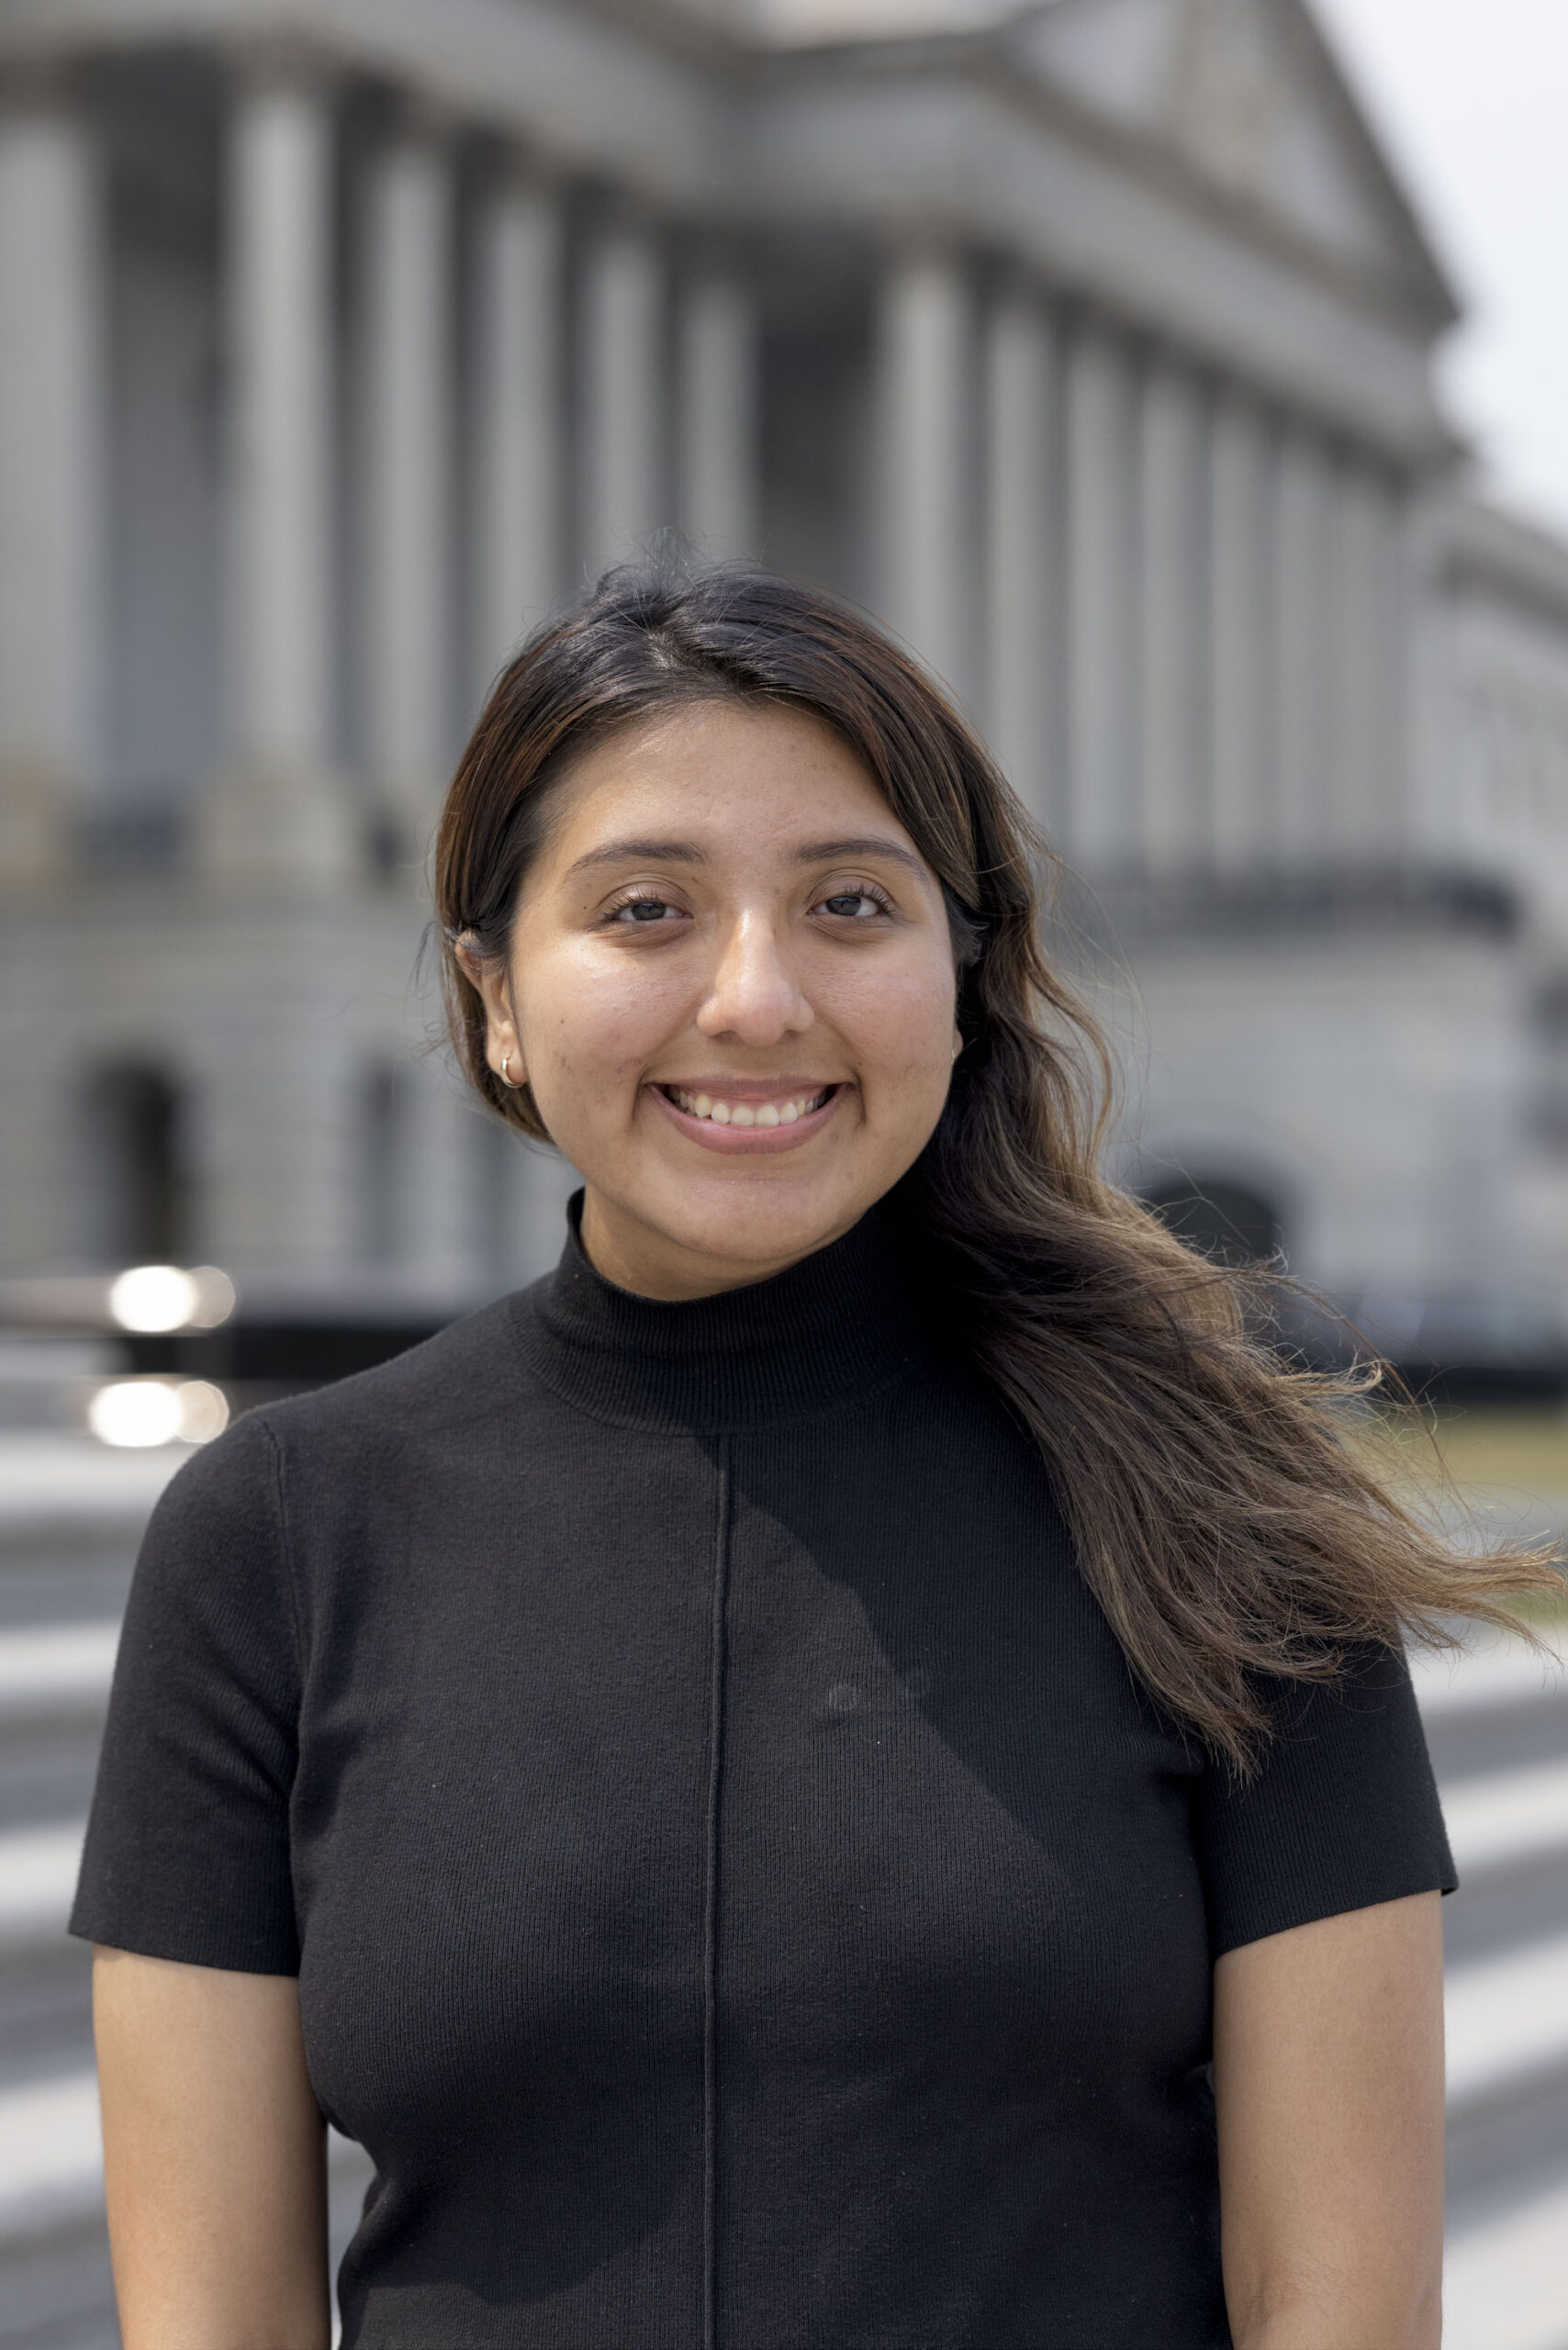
x=648 y=851
x=688 y=852
x=860 y=844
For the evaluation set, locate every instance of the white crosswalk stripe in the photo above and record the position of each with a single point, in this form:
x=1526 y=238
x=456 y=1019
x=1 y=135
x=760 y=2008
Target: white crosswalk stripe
x=55 y=1665
x=51 y=2160
x=1506 y=2285
x=1492 y=1674
x=1506 y=2017
x=38 y=1876
x=1507 y=1817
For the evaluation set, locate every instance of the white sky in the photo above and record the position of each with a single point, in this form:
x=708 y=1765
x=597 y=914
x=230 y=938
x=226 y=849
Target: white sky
x=1472 y=99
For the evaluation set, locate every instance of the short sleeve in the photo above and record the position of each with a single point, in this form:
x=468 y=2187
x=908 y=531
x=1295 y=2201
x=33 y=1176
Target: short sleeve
x=187 y=1850
x=1341 y=1813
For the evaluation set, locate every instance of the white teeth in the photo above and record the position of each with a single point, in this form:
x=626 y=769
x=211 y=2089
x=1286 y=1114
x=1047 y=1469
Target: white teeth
x=744 y=1113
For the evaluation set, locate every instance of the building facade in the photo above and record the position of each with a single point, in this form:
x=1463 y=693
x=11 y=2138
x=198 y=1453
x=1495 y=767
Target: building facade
x=1088 y=342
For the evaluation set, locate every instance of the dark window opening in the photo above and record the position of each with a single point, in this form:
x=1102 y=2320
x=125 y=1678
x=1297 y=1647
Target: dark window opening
x=136 y=1151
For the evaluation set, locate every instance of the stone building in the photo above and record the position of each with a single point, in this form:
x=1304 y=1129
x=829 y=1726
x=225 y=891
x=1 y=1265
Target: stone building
x=1089 y=343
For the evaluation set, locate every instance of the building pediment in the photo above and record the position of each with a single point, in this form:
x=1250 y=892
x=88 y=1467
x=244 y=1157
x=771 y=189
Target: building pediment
x=1245 y=99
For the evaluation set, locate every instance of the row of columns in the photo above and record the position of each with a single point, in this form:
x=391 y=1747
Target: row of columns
x=1179 y=615
x=279 y=806
x=1182 y=614
x=519 y=456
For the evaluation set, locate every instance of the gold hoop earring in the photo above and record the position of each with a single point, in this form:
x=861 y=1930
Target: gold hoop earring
x=513 y=1085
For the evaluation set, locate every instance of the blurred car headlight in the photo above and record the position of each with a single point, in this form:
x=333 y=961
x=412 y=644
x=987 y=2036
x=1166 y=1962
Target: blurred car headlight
x=149 y=1298
x=140 y=1412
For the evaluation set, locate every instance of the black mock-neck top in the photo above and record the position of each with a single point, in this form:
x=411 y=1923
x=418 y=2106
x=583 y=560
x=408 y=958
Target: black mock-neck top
x=739 y=1898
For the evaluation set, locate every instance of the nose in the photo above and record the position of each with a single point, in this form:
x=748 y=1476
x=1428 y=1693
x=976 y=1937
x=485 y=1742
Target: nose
x=754 y=995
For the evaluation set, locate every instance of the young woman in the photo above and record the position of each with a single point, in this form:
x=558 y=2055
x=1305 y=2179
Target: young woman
x=837 y=1775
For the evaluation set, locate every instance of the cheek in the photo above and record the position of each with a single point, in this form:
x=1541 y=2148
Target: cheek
x=896 y=1016
x=581 y=1010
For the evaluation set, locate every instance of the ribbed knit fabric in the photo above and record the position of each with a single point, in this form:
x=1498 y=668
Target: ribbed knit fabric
x=739 y=1899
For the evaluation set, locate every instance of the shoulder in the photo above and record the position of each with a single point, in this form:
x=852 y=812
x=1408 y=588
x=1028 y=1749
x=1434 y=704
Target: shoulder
x=1341 y=1814
x=376 y=1427
x=440 y=1398
x=475 y=1365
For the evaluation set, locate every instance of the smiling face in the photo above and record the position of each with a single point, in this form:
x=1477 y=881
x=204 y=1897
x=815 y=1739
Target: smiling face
x=731 y=989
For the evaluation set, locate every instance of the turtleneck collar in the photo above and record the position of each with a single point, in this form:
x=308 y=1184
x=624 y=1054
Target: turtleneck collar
x=834 y=1327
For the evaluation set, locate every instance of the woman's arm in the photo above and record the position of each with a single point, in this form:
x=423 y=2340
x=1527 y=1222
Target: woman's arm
x=1328 y=2081
x=215 y=2155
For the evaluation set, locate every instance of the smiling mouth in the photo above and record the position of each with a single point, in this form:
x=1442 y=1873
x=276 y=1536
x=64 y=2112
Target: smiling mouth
x=785 y=1112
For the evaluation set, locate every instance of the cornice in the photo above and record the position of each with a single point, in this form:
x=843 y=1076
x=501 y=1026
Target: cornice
x=1482 y=546
x=986 y=58
x=594 y=85
x=894 y=135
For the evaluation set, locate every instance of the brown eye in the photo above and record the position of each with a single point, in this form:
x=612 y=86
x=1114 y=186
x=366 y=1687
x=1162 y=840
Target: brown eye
x=646 y=911
x=854 y=905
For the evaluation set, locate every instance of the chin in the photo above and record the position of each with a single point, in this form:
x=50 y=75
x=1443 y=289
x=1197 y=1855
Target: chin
x=761 y=1231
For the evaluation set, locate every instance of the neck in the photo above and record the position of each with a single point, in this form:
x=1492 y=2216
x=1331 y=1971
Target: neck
x=836 y=1325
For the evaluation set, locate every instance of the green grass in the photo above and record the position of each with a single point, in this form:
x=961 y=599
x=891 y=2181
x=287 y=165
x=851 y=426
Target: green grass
x=1506 y=1464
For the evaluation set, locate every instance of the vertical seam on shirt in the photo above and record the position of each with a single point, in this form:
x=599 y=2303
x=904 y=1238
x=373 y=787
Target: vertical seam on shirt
x=285 y=1543
x=710 y=1921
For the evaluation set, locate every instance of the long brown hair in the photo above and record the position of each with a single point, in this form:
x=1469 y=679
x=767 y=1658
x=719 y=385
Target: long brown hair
x=1224 y=1524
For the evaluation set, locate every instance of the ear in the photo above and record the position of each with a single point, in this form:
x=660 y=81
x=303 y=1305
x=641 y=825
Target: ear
x=957 y=1042
x=487 y=979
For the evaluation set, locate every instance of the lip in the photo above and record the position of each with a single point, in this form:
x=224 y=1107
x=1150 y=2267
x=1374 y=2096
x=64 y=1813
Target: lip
x=747 y=1142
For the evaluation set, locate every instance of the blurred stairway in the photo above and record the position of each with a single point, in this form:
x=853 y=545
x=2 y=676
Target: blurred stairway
x=69 y=1517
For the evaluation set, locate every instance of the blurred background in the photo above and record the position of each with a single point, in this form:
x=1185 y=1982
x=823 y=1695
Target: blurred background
x=1103 y=349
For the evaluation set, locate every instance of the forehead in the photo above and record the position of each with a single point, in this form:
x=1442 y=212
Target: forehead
x=740 y=772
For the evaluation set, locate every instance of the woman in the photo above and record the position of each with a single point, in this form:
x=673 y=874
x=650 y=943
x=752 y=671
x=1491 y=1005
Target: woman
x=837 y=1772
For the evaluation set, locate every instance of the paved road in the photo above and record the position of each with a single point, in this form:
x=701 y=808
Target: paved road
x=69 y=1519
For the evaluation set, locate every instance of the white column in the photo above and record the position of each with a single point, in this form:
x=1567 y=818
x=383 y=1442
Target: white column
x=1370 y=654
x=407 y=485
x=52 y=476
x=926 y=572
x=1103 y=603
x=622 y=403
x=515 y=523
x=277 y=809
x=1175 y=733
x=716 y=416
x=1240 y=637
x=1023 y=394
x=1303 y=620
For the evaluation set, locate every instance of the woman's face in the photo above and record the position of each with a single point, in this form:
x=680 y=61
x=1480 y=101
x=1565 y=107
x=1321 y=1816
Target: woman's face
x=732 y=990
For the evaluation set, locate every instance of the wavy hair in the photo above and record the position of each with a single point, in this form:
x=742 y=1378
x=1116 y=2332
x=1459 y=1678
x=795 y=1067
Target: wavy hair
x=1224 y=1523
